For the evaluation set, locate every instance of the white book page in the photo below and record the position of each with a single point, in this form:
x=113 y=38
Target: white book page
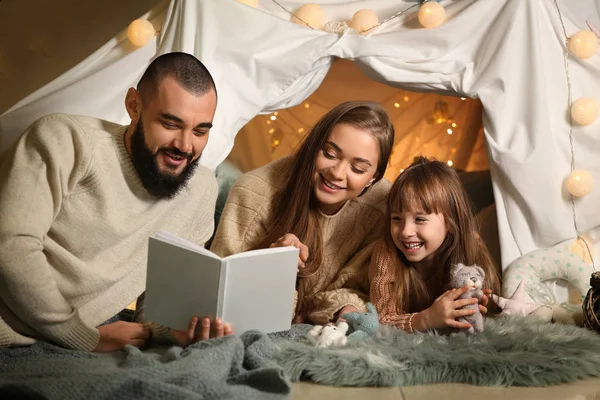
x=259 y=290
x=260 y=252
x=180 y=284
x=175 y=240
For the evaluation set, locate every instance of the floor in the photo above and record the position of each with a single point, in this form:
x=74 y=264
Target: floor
x=38 y=43
x=582 y=390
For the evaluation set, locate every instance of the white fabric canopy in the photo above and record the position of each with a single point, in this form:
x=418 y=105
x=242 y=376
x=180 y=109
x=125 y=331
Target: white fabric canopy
x=507 y=53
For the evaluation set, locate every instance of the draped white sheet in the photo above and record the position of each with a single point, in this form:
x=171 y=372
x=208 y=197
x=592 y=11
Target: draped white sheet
x=508 y=53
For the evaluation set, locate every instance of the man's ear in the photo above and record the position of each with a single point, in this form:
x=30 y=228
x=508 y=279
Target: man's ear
x=133 y=104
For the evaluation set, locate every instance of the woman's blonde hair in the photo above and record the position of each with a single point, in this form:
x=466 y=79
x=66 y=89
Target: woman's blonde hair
x=433 y=187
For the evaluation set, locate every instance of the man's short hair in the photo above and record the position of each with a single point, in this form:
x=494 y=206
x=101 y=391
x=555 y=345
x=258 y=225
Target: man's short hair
x=186 y=69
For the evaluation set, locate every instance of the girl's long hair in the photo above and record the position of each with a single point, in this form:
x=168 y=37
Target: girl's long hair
x=434 y=188
x=294 y=206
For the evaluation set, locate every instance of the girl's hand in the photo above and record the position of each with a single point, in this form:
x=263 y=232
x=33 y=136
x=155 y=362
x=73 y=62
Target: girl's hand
x=444 y=311
x=289 y=239
x=184 y=339
x=347 y=309
x=484 y=301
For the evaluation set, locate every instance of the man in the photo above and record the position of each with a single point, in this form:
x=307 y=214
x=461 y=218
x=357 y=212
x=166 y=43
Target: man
x=79 y=198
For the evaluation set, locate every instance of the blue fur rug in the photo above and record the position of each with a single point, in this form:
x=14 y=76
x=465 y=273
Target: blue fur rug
x=512 y=351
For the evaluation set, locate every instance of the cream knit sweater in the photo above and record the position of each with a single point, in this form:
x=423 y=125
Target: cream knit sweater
x=348 y=236
x=75 y=222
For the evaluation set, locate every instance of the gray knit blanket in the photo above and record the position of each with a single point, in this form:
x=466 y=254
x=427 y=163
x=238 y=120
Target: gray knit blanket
x=227 y=368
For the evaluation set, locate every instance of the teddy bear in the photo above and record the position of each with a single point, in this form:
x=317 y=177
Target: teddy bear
x=329 y=335
x=362 y=325
x=473 y=276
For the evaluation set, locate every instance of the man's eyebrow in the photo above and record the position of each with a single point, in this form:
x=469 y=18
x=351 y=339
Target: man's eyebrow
x=173 y=118
x=339 y=149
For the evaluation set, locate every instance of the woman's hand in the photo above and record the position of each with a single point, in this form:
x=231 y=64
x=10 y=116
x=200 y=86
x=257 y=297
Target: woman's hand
x=444 y=311
x=184 y=339
x=289 y=239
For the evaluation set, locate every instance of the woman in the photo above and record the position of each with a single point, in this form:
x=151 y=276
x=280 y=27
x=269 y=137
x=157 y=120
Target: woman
x=328 y=199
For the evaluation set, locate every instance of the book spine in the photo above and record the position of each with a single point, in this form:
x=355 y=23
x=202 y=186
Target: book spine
x=222 y=284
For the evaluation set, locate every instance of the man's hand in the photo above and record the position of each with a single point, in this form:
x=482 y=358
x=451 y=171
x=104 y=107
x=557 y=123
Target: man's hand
x=289 y=239
x=184 y=339
x=115 y=336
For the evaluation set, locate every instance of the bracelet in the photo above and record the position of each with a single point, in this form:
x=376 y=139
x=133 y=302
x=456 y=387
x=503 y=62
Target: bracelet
x=410 y=327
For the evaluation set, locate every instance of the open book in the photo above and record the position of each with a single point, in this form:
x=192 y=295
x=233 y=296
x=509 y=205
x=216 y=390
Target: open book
x=251 y=290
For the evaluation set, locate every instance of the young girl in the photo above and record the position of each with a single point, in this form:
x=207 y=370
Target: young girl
x=429 y=228
x=327 y=199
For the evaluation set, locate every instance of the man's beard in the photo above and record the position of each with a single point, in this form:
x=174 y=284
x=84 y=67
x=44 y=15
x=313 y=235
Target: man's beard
x=157 y=183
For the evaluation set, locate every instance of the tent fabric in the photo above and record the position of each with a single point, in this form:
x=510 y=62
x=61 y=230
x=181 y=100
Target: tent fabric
x=507 y=53
x=443 y=127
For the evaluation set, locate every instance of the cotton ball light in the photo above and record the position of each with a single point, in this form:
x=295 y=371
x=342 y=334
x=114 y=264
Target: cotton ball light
x=251 y=3
x=431 y=14
x=363 y=20
x=312 y=14
x=580 y=183
x=583 y=44
x=584 y=111
x=140 y=32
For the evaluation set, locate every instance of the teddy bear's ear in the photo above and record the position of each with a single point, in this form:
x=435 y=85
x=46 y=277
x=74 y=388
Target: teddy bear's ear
x=457 y=268
x=371 y=308
x=480 y=270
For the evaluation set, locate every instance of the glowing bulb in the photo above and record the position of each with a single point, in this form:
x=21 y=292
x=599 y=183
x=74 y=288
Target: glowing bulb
x=140 y=32
x=584 y=111
x=268 y=122
x=401 y=171
x=363 y=20
x=312 y=14
x=306 y=105
x=431 y=14
x=251 y=3
x=273 y=118
x=300 y=130
x=449 y=131
x=405 y=98
x=580 y=183
x=454 y=124
x=397 y=105
x=275 y=113
x=463 y=98
x=579 y=248
x=450 y=163
x=583 y=44
x=272 y=130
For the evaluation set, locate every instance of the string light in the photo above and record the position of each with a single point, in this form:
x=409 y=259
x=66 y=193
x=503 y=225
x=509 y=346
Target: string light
x=310 y=14
x=449 y=131
x=273 y=118
x=450 y=163
x=140 y=32
x=431 y=14
x=306 y=105
x=300 y=130
x=397 y=105
x=363 y=21
x=584 y=111
x=578 y=181
x=583 y=44
x=405 y=98
x=251 y=3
